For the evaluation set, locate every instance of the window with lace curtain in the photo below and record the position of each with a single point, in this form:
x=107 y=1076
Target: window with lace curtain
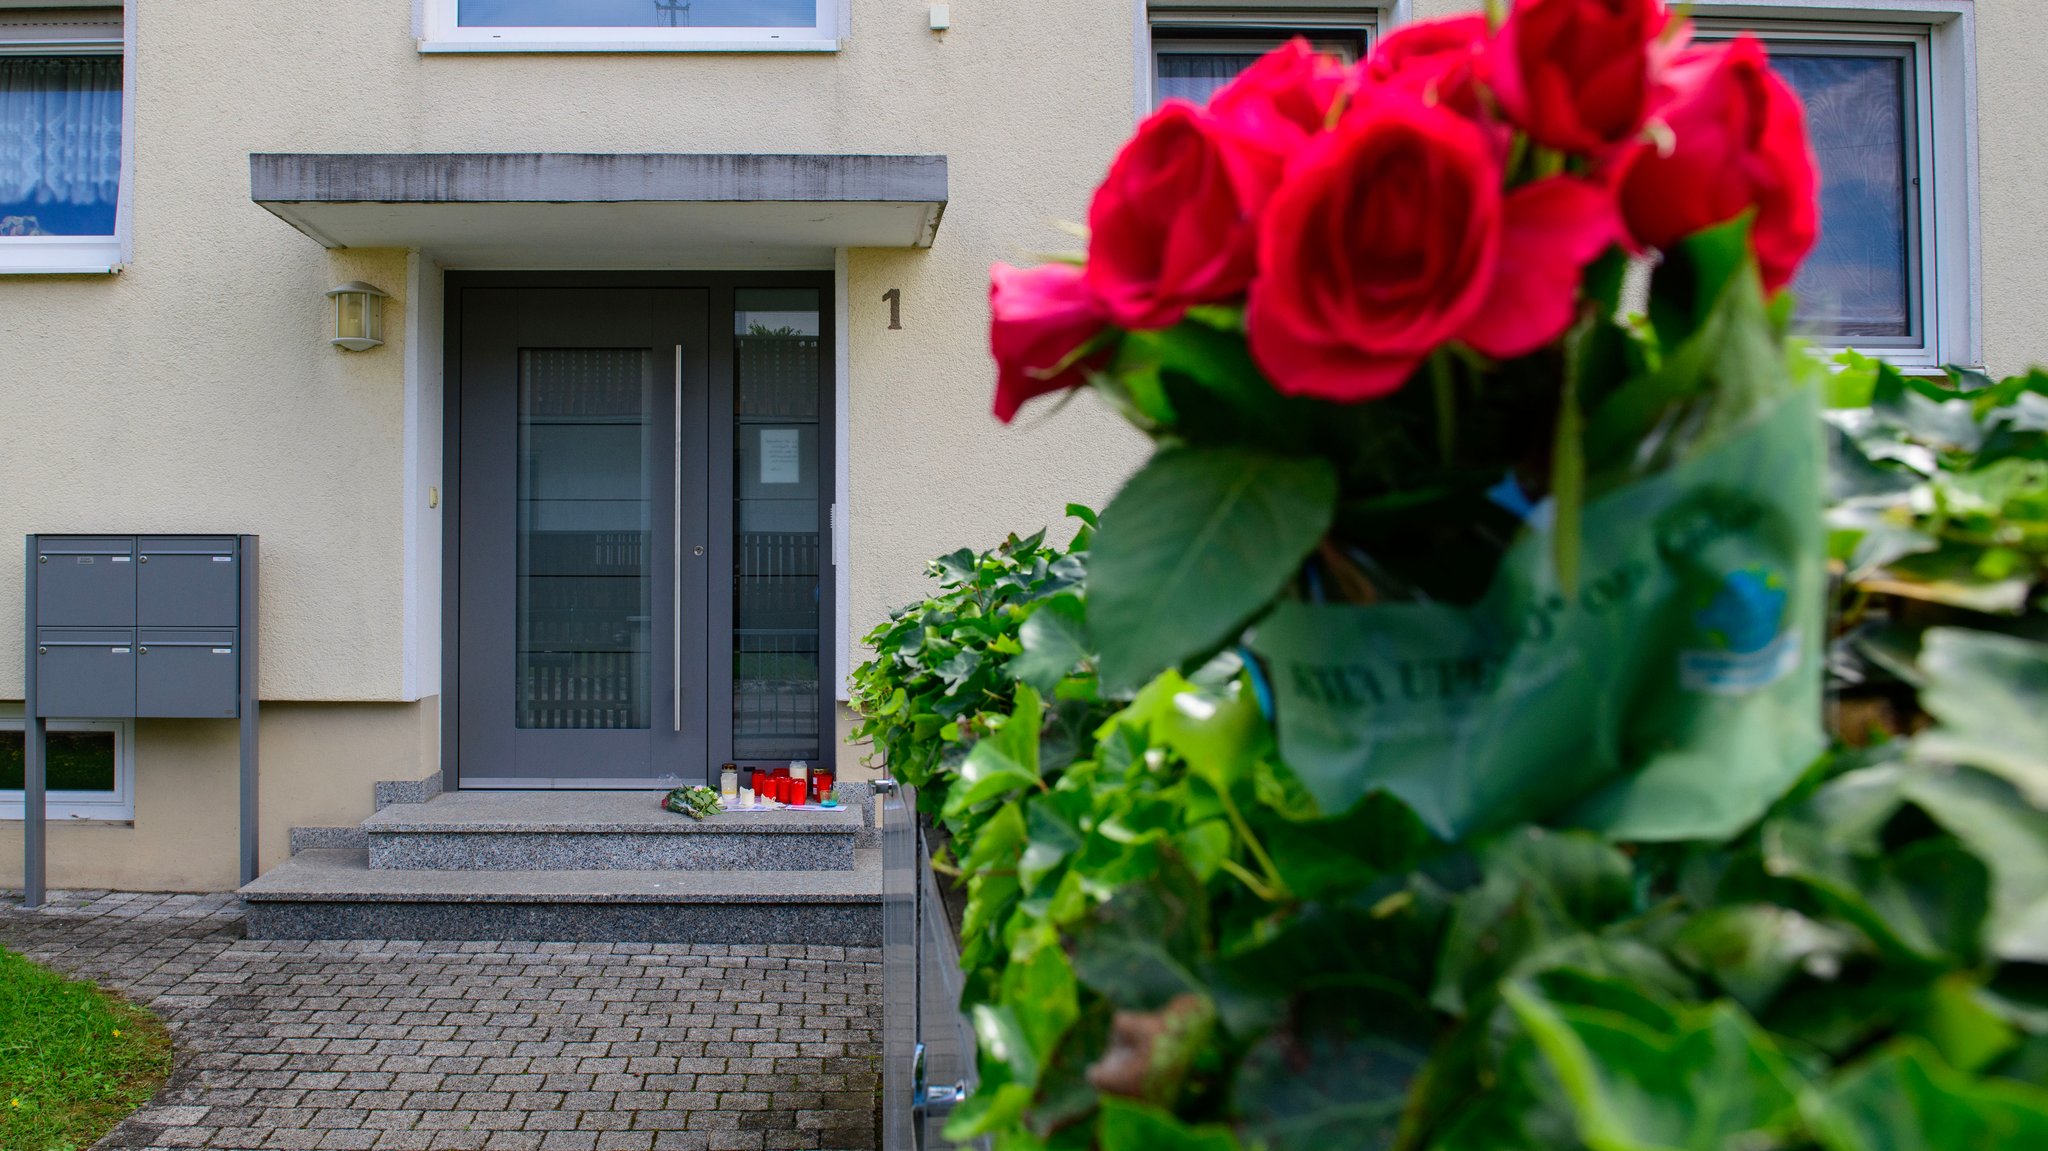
x=1199 y=47
x=1876 y=279
x=60 y=139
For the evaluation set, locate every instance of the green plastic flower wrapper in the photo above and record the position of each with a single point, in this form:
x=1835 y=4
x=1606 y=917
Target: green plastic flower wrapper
x=1674 y=695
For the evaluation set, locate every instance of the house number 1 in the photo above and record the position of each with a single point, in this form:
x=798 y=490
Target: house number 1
x=894 y=298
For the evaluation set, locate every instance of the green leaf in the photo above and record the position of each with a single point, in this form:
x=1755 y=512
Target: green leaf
x=1713 y=1083
x=957 y=567
x=1539 y=888
x=1906 y=1099
x=1963 y=1025
x=1754 y=950
x=1003 y=762
x=1193 y=547
x=1694 y=274
x=1055 y=641
x=1042 y=989
x=1922 y=903
x=1338 y=1076
x=1052 y=840
x=1127 y=1126
x=1140 y=949
x=1990 y=694
x=2010 y=836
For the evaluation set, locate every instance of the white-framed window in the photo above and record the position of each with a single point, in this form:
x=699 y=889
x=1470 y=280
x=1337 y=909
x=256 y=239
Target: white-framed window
x=633 y=25
x=1890 y=107
x=1194 y=47
x=63 y=154
x=90 y=768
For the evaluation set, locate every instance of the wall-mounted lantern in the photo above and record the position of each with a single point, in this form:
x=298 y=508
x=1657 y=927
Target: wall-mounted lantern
x=358 y=316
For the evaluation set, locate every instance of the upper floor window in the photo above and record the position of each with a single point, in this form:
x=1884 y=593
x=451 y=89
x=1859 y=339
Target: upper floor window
x=631 y=25
x=1889 y=275
x=1199 y=47
x=60 y=140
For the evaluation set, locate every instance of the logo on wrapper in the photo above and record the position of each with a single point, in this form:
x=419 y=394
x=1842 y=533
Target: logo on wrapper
x=1750 y=648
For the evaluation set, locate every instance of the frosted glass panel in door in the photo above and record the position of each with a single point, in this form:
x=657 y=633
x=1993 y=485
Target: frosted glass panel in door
x=637 y=13
x=777 y=521
x=585 y=512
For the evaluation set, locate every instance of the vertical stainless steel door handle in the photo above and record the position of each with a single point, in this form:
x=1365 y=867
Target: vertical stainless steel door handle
x=676 y=534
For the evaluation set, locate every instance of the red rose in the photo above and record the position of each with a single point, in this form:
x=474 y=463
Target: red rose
x=1169 y=228
x=1578 y=75
x=1438 y=60
x=1738 y=141
x=1273 y=109
x=1392 y=237
x=1040 y=317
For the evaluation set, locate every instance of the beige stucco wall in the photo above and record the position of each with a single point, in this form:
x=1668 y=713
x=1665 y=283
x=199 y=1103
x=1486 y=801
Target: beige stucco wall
x=319 y=764
x=195 y=390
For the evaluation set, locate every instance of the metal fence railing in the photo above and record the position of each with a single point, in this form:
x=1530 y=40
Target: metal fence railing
x=927 y=1045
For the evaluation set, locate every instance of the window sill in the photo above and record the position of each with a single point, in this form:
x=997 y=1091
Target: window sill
x=59 y=256
x=74 y=817
x=458 y=47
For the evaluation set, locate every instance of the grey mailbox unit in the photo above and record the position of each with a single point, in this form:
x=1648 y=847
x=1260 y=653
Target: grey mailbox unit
x=138 y=627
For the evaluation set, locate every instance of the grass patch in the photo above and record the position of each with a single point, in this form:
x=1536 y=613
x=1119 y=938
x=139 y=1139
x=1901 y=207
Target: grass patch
x=74 y=1060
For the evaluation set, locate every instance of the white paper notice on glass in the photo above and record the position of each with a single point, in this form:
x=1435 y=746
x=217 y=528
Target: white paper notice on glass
x=779 y=459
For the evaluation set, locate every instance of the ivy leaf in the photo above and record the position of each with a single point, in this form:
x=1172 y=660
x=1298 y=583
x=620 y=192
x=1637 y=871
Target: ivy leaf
x=1127 y=1126
x=1052 y=840
x=1906 y=1099
x=1194 y=546
x=1055 y=641
x=2011 y=838
x=1139 y=949
x=1003 y=762
x=1340 y=1076
x=957 y=567
x=1539 y=888
x=1713 y=1082
x=1990 y=694
x=1922 y=904
x=1754 y=950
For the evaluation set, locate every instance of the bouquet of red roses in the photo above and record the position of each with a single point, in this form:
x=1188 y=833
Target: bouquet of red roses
x=1497 y=549
x=1444 y=197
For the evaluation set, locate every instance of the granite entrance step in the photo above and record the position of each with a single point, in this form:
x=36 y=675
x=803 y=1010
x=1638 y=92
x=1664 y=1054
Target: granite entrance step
x=336 y=894
x=541 y=831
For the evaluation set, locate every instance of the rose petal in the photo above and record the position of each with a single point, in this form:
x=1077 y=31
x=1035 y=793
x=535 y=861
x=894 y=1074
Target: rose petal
x=1550 y=231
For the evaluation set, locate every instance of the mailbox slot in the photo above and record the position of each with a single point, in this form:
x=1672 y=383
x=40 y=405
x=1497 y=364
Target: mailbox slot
x=84 y=582
x=188 y=673
x=187 y=582
x=85 y=673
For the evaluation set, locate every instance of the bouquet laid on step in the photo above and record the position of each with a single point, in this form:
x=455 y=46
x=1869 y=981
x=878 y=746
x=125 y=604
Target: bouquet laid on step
x=695 y=802
x=1492 y=545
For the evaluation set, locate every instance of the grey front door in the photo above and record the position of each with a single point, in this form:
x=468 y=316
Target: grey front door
x=583 y=587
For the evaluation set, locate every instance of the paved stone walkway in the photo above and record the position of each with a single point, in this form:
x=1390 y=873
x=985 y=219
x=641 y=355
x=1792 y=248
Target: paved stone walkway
x=525 y=1046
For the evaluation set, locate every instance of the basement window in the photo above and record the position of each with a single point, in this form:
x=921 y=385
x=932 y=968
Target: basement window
x=89 y=769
